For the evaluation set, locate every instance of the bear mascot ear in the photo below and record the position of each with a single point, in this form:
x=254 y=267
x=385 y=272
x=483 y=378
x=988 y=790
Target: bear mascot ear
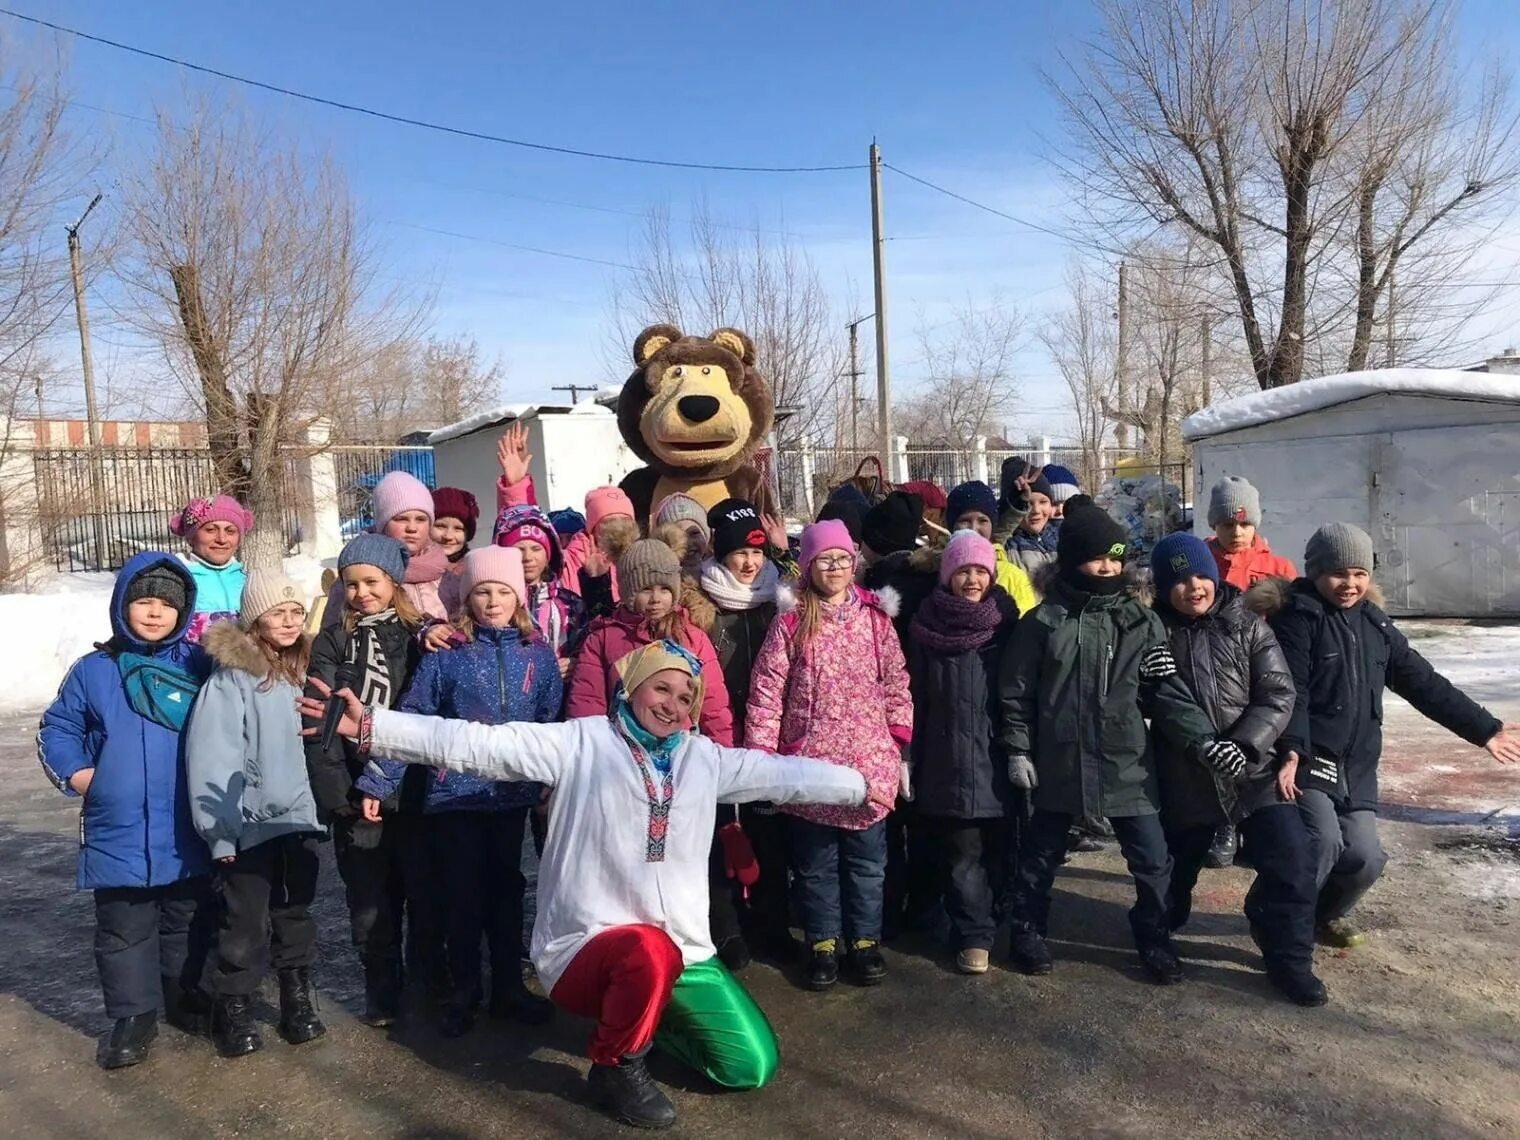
x=652 y=340
x=737 y=343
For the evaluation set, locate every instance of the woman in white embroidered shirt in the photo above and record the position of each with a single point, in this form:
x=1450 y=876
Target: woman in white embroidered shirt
x=622 y=932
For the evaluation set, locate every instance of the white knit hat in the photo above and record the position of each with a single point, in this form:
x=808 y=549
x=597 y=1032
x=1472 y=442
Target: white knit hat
x=263 y=592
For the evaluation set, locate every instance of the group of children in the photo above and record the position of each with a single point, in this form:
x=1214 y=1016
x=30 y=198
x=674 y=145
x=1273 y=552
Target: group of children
x=985 y=694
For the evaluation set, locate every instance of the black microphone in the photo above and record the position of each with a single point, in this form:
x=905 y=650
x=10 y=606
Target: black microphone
x=348 y=677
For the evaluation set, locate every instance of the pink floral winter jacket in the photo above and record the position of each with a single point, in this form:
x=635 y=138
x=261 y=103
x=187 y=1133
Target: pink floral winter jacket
x=844 y=699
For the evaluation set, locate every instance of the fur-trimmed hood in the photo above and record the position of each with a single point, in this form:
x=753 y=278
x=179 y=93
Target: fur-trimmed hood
x=233 y=648
x=886 y=599
x=1269 y=596
x=1137 y=581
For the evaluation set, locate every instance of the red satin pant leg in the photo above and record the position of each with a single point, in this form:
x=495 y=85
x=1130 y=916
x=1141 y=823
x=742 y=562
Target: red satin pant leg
x=622 y=977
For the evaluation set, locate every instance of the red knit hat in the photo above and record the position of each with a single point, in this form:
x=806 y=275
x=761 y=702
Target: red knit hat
x=455 y=503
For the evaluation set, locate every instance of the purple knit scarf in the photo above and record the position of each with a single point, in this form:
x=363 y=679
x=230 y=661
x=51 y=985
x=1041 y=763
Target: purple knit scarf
x=950 y=624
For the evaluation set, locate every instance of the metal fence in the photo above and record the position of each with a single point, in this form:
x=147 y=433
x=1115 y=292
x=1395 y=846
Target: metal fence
x=140 y=489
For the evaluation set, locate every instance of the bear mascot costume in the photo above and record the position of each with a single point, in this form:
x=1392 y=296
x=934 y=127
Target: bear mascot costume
x=695 y=410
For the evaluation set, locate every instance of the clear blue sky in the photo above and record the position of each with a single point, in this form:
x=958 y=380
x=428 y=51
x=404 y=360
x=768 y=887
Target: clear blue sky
x=951 y=91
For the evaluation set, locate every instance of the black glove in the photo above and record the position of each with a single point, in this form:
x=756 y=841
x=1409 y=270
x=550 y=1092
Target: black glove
x=1010 y=494
x=1157 y=664
x=1225 y=757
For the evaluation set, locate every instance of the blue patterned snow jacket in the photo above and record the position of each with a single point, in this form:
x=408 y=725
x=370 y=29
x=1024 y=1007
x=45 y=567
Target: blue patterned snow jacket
x=494 y=679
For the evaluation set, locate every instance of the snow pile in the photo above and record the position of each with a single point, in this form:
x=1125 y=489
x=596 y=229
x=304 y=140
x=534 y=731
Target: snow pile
x=1147 y=505
x=51 y=629
x=1328 y=391
x=486 y=418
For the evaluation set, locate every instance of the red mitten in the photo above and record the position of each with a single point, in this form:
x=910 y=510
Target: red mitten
x=739 y=855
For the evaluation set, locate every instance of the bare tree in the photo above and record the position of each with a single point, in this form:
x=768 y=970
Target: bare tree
x=1268 y=129
x=969 y=386
x=1081 y=342
x=722 y=274
x=411 y=385
x=252 y=269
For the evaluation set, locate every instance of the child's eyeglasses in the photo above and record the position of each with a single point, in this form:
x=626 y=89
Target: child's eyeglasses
x=836 y=562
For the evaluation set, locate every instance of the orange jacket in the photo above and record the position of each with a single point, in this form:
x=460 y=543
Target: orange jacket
x=1244 y=569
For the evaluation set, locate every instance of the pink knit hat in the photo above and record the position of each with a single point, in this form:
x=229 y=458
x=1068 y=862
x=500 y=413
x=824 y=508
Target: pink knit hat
x=198 y=512
x=606 y=502
x=966 y=548
x=398 y=493
x=831 y=534
x=494 y=564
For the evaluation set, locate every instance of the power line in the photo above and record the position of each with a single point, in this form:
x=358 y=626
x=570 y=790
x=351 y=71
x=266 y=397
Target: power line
x=508 y=244
x=978 y=205
x=424 y=124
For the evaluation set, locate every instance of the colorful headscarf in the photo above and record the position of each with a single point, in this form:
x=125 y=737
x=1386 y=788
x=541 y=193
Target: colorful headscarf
x=644 y=662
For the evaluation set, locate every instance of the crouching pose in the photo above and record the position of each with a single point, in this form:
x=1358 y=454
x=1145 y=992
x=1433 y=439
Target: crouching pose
x=622 y=933
x=1237 y=673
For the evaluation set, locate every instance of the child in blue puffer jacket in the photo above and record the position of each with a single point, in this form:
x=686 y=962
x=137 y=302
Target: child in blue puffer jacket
x=505 y=672
x=113 y=736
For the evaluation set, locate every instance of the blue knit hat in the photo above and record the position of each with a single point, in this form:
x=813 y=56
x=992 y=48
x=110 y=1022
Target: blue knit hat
x=567 y=521
x=378 y=550
x=1179 y=556
x=972 y=496
x=1063 y=484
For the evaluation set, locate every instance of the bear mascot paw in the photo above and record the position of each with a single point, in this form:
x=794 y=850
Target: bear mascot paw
x=695 y=410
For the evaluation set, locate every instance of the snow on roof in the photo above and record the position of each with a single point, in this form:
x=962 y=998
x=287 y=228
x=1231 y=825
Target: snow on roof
x=507 y=412
x=1328 y=391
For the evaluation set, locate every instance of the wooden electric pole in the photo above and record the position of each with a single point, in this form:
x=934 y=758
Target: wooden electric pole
x=575 y=390
x=855 y=374
x=1206 y=388
x=87 y=366
x=1121 y=359
x=878 y=251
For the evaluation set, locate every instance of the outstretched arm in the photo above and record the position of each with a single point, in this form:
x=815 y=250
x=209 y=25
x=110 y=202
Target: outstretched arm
x=747 y=774
x=1416 y=680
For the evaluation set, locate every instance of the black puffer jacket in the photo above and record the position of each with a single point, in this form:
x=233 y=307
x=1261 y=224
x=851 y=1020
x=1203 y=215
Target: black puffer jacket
x=907 y=573
x=1237 y=673
x=737 y=636
x=959 y=768
x=1341 y=661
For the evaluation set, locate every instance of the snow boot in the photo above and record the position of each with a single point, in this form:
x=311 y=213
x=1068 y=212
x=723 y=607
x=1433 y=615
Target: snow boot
x=628 y=1092
x=823 y=967
x=382 y=992
x=130 y=1040
x=1340 y=933
x=866 y=963
x=1028 y=953
x=512 y=1000
x=972 y=960
x=1300 y=987
x=1221 y=852
x=189 y=1011
x=1160 y=963
x=233 y=1029
x=299 y=1022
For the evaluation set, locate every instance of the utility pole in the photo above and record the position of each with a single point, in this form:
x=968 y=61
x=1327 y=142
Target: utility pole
x=87 y=365
x=878 y=251
x=1121 y=359
x=1207 y=387
x=1391 y=347
x=855 y=374
x=575 y=390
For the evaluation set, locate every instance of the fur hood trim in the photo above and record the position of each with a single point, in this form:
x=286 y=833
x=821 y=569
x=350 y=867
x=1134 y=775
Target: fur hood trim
x=1271 y=595
x=232 y=648
x=1137 y=580
x=926 y=559
x=886 y=599
x=699 y=608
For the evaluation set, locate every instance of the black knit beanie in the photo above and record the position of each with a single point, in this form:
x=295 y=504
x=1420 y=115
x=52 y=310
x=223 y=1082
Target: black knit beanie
x=735 y=525
x=846 y=511
x=1088 y=533
x=159 y=582
x=892 y=524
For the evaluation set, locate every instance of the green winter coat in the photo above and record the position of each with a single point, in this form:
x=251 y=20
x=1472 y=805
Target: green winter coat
x=1073 y=702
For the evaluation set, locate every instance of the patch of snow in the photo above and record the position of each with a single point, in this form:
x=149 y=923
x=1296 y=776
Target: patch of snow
x=1479 y=660
x=1489 y=878
x=1328 y=391
x=487 y=418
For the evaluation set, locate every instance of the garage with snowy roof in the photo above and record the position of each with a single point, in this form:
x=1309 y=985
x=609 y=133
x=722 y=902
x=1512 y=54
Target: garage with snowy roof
x=1426 y=461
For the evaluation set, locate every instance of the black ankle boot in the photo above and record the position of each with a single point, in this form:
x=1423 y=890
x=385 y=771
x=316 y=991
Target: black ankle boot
x=299 y=1022
x=866 y=963
x=130 y=1040
x=628 y=1092
x=233 y=1029
x=458 y=1016
x=514 y=1001
x=822 y=969
x=382 y=992
x=1160 y=962
x=188 y=1010
x=1028 y=953
x=1300 y=987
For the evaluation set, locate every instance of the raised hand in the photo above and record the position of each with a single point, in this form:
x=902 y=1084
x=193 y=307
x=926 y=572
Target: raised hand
x=775 y=531
x=597 y=563
x=512 y=453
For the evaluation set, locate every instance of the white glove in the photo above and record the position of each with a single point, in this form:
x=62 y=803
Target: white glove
x=905 y=780
x=1021 y=773
x=1225 y=757
x=1158 y=663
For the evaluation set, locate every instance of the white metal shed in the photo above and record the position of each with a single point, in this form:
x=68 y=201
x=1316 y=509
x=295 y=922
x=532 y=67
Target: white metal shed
x=1427 y=461
x=574 y=449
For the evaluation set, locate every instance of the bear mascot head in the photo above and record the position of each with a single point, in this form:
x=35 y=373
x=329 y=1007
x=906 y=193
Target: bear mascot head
x=695 y=410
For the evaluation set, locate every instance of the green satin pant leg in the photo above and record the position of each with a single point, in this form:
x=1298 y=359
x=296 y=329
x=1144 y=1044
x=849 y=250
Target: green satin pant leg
x=715 y=1027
